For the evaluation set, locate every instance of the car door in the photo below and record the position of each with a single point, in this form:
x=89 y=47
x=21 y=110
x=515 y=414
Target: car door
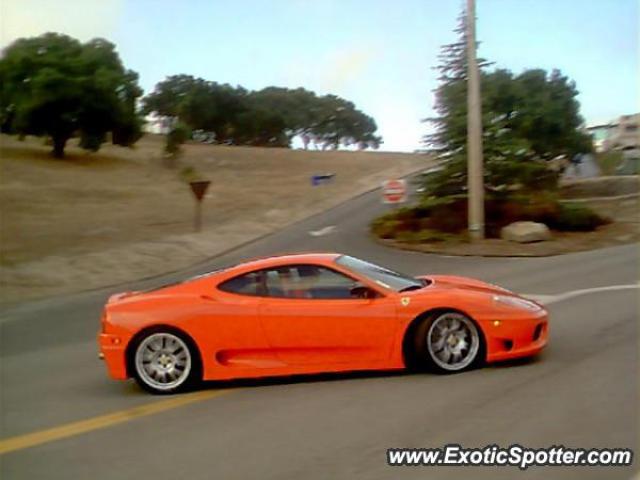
x=232 y=327
x=311 y=318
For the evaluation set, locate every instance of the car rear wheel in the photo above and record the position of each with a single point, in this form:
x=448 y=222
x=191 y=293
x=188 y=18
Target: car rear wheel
x=164 y=362
x=448 y=342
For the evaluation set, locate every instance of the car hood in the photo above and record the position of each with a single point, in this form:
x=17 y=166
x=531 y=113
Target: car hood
x=453 y=281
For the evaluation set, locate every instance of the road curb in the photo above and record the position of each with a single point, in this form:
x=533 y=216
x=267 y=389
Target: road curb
x=627 y=196
x=423 y=248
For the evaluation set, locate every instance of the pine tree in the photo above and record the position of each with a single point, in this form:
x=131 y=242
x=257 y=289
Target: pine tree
x=450 y=124
x=527 y=119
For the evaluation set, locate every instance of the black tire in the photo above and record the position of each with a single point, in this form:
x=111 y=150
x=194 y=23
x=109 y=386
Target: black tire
x=173 y=365
x=455 y=350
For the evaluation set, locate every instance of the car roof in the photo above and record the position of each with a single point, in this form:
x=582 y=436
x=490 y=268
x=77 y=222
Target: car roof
x=286 y=259
x=222 y=274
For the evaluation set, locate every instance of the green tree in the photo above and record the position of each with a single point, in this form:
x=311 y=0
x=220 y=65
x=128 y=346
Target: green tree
x=54 y=85
x=547 y=113
x=261 y=128
x=268 y=117
x=527 y=119
x=198 y=103
x=169 y=94
x=336 y=121
x=450 y=124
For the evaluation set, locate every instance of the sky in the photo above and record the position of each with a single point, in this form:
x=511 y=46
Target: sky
x=378 y=54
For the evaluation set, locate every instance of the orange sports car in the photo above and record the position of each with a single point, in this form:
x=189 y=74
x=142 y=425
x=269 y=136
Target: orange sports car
x=311 y=313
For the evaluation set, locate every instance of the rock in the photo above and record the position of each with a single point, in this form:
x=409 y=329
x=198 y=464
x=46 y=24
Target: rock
x=525 y=232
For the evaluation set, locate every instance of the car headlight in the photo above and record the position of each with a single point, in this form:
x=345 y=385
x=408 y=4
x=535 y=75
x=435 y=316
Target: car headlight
x=517 y=302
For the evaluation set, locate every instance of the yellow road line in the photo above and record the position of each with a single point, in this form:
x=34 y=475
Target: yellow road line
x=28 y=440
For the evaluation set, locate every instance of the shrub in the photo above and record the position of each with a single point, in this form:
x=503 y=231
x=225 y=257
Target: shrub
x=576 y=217
x=175 y=138
x=385 y=227
x=449 y=217
x=92 y=141
x=190 y=174
x=440 y=219
x=406 y=236
x=423 y=236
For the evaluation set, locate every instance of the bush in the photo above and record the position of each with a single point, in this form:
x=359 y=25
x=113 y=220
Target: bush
x=439 y=219
x=575 y=217
x=385 y=227
x=450 y=217
x=423 y=236
x=190 y=174
x=92 y=141
x=128 y=132
x=175 y=138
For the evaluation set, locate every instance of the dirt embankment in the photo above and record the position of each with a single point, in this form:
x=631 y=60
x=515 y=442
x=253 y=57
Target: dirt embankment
x=99 y=219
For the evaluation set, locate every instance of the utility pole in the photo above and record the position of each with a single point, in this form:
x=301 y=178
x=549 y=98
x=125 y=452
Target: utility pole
x=475 y=176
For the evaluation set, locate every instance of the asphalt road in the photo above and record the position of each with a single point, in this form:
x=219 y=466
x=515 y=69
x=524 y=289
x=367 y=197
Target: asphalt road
x=581 y=392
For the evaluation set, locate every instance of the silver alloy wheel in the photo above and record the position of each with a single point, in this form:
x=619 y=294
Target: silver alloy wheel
x=453 y=341
x=163 y=361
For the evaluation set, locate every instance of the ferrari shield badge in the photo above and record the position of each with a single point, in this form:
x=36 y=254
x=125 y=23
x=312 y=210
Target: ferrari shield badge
x=405 y=301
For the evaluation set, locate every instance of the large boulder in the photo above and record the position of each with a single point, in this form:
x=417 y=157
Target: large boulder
x=525 y=232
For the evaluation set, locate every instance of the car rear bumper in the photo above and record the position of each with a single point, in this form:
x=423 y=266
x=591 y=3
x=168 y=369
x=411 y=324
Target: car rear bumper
x=112 y=351
x=517 y=338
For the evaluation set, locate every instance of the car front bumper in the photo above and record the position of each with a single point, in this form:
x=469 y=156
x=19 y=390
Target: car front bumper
x=517 y=338
x=112 y=351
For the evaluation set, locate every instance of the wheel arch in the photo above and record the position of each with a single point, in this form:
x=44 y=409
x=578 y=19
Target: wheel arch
x=408 y=353
x=137 y=338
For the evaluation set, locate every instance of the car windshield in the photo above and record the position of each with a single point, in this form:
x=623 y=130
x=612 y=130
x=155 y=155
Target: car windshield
x=381 y=275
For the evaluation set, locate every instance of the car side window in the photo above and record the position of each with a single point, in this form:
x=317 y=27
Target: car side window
x=308 y=281
x=248 y=284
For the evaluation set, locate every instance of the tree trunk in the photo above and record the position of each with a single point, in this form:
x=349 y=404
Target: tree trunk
x=59 y=143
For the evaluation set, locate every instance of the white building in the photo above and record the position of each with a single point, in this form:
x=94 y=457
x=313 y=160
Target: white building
x=157 y=124
x=621 y=134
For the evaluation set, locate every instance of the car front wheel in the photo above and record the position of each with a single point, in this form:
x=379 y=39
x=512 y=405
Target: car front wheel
x=448 y=342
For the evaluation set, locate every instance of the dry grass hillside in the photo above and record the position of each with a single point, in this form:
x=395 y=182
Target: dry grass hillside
x=56 y=211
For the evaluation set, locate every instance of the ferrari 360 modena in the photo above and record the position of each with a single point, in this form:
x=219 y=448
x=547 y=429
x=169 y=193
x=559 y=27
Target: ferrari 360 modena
x=312 y=313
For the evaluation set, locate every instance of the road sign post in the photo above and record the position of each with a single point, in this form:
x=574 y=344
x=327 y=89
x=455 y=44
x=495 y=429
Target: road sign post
x=199 y=189
x=394 y=191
